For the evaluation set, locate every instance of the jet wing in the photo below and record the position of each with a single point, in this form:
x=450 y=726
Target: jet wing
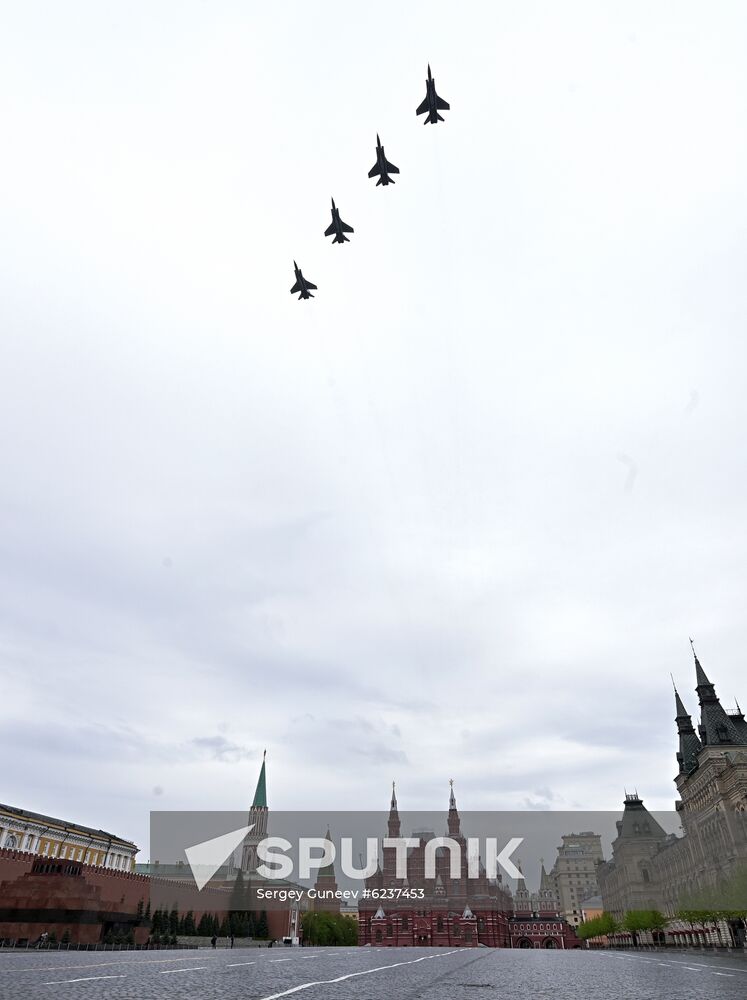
x=310 y=284
x=345 y=228
x=375 y=169
x=329 y=231
x=441 y=104
x=423 y=107
x=390 y=168
x=296 y=288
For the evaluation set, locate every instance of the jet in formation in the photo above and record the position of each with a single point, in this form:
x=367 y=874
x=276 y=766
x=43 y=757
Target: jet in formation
x=338 y=228
x=302 y=285
x=432 y=103
x=382 y=167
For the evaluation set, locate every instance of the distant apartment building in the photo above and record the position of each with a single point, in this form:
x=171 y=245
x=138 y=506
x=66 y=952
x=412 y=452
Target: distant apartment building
x=574 y=874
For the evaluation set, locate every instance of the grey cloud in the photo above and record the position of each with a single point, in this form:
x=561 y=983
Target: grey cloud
x=219 y=748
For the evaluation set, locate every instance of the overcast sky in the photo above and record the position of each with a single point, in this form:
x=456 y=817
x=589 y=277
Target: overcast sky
x=454 y=517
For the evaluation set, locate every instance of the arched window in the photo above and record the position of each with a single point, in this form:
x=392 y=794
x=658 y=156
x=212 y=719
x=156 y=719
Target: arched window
x=10 y=841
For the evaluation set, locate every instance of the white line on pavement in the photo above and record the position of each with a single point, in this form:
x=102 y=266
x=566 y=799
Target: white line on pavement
x=705 y=965
x=235 y=965
x=192 y=968
x=99 y=965
x=684 y=965
x=280 y=960
x=353 y=975
x=729 y=974
x=83 y=979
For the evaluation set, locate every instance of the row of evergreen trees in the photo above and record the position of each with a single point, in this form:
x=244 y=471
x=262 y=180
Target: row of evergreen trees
x=245 y=923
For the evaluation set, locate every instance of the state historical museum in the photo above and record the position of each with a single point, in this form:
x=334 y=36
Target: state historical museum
x=455 y=912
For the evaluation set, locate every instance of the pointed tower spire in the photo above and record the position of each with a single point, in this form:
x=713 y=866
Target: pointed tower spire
x=394 y=823
x=544 y=877
x=453 y=821
x=260 y=792
x=257 y=820
x=700 y=676
x=690 y=746
x=326 y=886
x=716 y=727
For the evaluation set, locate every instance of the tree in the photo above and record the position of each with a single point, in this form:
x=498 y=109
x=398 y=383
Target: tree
x=262 y=929
x=643 y=920
x=189 y=924
x=600 y=926
x=326 y=929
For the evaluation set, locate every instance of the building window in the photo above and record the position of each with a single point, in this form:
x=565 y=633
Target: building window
x=439 y=923
x=405 y=923
x=389 y=930
x=10 y=841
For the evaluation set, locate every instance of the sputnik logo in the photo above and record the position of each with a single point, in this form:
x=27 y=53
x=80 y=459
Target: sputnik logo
x=206 y=858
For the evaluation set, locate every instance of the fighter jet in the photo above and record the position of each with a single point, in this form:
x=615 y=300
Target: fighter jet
x=432 y=103
x=338 y=227
x=302 y=285
x=382 y=166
